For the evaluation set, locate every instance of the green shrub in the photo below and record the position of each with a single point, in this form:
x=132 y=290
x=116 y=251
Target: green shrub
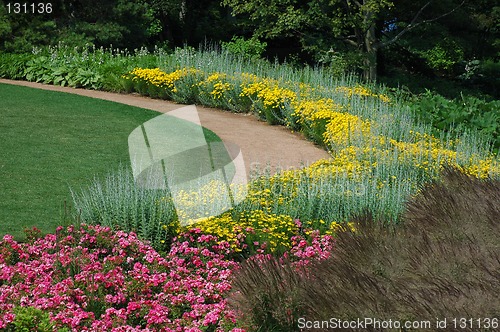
x=13 y=66
x=29 y=319
x=488 y=77
x=251 y=48
x=444 y=56
x=339 y=64
x=80 y=67
x=455 y=115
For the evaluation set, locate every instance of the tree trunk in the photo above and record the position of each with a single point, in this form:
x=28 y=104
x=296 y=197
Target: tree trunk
x=370 y=70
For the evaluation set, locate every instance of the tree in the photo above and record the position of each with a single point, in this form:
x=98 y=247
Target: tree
x=192 y=21
x=122 y=23
x=321 y=24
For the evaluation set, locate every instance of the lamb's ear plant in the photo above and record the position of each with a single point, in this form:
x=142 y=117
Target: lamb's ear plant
x=116 y=201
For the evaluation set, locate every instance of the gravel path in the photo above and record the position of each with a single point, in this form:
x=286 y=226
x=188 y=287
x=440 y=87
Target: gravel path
x=260 y=143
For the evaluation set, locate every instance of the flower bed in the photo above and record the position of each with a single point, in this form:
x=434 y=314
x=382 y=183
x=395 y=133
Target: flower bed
x=328 y=121
x=95 y=279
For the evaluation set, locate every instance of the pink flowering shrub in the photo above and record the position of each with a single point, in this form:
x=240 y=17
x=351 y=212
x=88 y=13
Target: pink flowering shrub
x=97 y=279
x=94 y=278
x=314 y=247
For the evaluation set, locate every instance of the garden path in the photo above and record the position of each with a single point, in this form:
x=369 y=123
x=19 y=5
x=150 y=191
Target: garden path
x=261 y=144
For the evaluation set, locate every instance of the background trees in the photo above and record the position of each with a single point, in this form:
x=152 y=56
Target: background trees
x=443 y=33
x=451 y=39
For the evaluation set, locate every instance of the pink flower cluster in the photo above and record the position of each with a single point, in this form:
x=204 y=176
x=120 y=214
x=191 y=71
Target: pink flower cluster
x=305 y=250
x=97 y=279
x=317 y=248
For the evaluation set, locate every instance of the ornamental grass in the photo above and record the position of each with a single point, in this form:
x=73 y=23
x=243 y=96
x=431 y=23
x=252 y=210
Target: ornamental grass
x=442 y=261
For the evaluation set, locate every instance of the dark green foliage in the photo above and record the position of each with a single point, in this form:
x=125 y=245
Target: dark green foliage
x=14 y=66
x=20 y=32
x=121 y=23
x=443 y=261
x=469 y=113
x=85 y=67
x=43 y=69
x=485 y=76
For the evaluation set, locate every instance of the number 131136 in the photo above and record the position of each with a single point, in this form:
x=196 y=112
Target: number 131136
x=29 y=8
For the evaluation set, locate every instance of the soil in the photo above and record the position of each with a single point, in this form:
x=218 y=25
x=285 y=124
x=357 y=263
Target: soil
x=262 y=145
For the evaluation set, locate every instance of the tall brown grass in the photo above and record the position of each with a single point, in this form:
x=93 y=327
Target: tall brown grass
x=441 y=261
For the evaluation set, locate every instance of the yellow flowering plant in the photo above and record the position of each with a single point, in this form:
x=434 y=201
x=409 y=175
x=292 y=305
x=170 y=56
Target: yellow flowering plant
x=256 y=231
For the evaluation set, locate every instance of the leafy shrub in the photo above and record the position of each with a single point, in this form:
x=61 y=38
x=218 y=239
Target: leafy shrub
x=466 y=113
x=339 y=63
x=487 y=78
x=13 y=66
x=444 y=56
x=42 y=69
x=29 y=319
x=247 y=48
x=85 y=67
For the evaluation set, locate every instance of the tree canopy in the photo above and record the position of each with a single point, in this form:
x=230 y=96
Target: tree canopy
x=444 y=38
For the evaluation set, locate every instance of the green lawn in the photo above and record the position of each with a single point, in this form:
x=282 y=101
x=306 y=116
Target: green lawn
x=51 y=141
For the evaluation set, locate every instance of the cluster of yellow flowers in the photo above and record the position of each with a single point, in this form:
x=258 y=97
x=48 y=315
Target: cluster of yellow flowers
x=269 y=92
x=344 y=127
x=259 y=228
x=216 y=84
x=274 y=230
x=315 y=110
x=430 y=154
x=159 y=78
x=362 y=92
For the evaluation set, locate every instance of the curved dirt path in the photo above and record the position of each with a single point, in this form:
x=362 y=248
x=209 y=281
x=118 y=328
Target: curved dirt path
x=261 y=144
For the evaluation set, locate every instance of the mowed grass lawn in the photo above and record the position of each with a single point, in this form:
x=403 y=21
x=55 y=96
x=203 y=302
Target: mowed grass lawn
x=51 y=142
